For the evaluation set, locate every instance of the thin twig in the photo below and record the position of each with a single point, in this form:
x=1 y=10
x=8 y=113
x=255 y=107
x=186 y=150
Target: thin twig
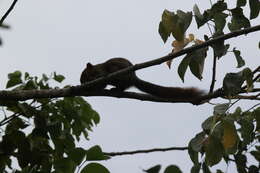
x=145 y=151
x=252 y=107
x=232 y=104
x=8 y=119
x=7 y=12
x=213 y=74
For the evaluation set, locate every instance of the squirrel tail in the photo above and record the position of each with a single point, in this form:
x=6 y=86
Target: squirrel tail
x=186 y=94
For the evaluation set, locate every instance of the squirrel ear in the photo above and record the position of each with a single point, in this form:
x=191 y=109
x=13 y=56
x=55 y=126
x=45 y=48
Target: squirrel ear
x=89 y=65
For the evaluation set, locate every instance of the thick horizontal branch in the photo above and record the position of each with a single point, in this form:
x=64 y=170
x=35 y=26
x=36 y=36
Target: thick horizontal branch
x=81 y=90
x=145 y=151
x=68 y=92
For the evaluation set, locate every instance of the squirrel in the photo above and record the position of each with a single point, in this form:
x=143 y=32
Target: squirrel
x=121 y=83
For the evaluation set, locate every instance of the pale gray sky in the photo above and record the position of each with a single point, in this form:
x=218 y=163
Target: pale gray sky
x=63 y=35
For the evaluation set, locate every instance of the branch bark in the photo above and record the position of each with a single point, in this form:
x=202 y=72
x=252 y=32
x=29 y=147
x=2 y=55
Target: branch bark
x=213 y=80
x=22 y=95
x=145 y=151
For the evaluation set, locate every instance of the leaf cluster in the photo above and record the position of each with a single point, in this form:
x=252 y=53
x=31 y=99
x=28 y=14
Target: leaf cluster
x=218 y=17
x=41 y=134
x=227 y=136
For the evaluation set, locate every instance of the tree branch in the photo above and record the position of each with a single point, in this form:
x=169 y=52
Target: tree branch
x=170 y=56
x=145 y=151
x=250 y=97
x=213 y=74
x=22 y=95
x=7 y=12
x=81 y=90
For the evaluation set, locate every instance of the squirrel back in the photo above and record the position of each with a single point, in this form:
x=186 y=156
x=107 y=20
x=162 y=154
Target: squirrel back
x=122 y=82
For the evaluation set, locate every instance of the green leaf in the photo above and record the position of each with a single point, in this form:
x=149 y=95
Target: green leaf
x=185 y=20
x=240 y=60
x=220 y=49
x=95 y=153
x=218 y=131
x=14 y=79
x=214 y=151
x=220 y=21
x=154 y=169
x=163 y=32
x=31 y=84
x=183 y=66
x=240 y=161
x=232 y=83
x=198 y=16
x=172 y=169
x=237 y=114
x=177 y=28
x=247 y=128
x=166 y=24
x=77 y=155
x=194 y=155
x=26 y=76
x=64 y=165
x=218 y=7
x=208 y=124
x=205 y=168
x=94 y=168
x=5 y=161
x=68 y=141
x=256 y=115
x=248 y=76
x=16 y=74
x=238 y=20
x=256 y=155
x=58 y=78
x=253 y=169
x=211 y=123
x=175 y=24
x=27 y=110
x=220 y=109
x=197 y=62
x=15 y=124
x=196 y=143
x=195 y=168
x=241 y=3
x=45 y=77
x=254 y=8
x=230 y=137
x=219 y=171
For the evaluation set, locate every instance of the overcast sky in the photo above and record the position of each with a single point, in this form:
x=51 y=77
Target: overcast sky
x=63 y=35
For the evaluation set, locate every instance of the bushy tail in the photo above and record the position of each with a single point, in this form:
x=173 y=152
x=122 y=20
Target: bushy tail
x=168 y=92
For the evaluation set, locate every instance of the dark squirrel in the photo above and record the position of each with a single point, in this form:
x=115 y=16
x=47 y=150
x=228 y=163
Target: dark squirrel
x=121 y=83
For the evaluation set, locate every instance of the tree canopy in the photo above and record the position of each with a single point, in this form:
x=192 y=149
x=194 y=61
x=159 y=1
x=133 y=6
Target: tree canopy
x=42 y=124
